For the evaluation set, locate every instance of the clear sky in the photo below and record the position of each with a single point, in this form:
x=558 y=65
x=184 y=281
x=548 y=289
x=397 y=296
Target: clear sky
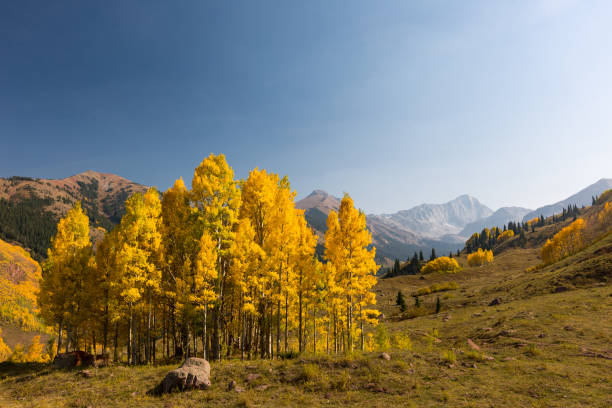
x=397 y=103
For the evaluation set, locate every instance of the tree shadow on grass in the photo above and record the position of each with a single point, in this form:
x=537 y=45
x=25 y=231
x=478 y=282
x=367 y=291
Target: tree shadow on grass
x=23 y=371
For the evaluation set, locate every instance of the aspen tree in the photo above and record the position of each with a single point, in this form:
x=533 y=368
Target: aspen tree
x=346 y=247
x=140 y=243
x=66 y=272
x=204 y=280
x=216 y=196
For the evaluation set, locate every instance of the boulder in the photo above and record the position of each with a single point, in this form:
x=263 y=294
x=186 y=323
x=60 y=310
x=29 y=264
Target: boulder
x=194 y=373
x=73 y=359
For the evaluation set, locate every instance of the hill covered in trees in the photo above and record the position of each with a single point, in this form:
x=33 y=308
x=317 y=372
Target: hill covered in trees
x=19 y=283
x=30 y=208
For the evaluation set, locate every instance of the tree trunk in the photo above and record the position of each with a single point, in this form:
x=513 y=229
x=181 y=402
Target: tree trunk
x=59 y=338
x=300 y=332
x=204 y=345
x=115 y=354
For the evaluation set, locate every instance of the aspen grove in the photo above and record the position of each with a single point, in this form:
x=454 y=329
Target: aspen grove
x=227 y=268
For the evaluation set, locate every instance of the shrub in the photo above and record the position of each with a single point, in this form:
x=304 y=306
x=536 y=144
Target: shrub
x=532 y=350
x=310 y=372
x=441 y=264
x=401 y=341
x=480 y=257
x=436 y=287
x=504 y=236
x=382 y=337
x=342 y=383
x=448 y=356
x=473 y=355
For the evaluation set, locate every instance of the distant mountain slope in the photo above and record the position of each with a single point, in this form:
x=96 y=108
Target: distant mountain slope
x=391 y=240
x=583 y=197
x=436 y=220
x=30 y=208
x=497 y=219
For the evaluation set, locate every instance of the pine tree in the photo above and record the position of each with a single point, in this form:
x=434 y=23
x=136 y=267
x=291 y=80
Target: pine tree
x=400 y=301
x=433 y=254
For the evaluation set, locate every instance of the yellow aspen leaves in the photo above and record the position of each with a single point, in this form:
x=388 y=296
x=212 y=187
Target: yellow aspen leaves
x=441 y=264
x=566 y=242
x=480 y=257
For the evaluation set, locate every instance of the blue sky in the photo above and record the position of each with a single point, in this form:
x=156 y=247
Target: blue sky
x=397 y=103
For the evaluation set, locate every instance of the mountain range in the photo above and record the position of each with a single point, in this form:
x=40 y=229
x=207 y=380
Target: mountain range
x=582 y=198
x=30 y=208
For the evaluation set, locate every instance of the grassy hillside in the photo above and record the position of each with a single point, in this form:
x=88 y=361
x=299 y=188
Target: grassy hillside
x=544 y=342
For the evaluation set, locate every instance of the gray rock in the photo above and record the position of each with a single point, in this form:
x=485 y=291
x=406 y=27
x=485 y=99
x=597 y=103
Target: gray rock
x=385 y=356
x=194 y=373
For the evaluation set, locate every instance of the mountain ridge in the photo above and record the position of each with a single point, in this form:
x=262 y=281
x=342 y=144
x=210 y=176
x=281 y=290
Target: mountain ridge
x=581 y=198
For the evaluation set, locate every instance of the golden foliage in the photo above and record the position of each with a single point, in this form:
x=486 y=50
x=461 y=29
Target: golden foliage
x=605 y=215
x=19 y=283
x=506 y=235
x=566 y=242
x=480 y=257
x=441 y=264
x=5 y=351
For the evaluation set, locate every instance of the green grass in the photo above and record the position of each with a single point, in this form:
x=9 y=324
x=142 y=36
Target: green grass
x=534 y=352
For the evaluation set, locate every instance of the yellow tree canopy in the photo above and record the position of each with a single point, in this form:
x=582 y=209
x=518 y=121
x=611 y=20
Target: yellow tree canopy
x=441 y=264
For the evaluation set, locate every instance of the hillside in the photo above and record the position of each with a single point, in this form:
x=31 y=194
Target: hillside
x=582 y=198
x=19 y=277
x=30 y=208
x=545 y=341
x=499 y=218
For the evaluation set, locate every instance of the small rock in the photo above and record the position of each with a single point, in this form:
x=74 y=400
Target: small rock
x=541 y=335
x=232 y=385
x=85 y=373
x=476 y=314
x=422 y=277
x=446 y=318
x=385 y=356
x=262 y=387
x=560 y=289
x=495 y=301
x=474 y=365
x=252 y=377
x=508 y=359
x=473 y=345
x=568 y=328
x=508 y=332
x=488 y=357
